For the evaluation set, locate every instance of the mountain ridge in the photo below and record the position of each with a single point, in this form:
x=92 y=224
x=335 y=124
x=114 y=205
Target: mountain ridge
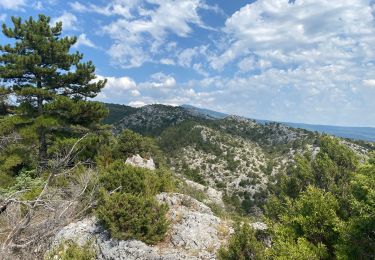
x=351 y=132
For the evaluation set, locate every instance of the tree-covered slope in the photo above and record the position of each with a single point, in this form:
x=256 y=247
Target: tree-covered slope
x=234 y=155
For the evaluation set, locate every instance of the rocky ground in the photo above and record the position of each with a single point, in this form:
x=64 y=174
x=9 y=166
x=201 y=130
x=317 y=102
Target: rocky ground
x=195 y=233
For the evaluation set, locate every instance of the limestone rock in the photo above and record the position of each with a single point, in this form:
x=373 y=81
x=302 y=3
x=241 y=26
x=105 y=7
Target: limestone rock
x=137 y=160
x=195 y=233
x=213 y=195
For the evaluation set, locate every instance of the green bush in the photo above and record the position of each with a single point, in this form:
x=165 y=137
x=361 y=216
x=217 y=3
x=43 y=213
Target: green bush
x=131 y=143
x=243 y=245
x=302 y=249
x=69 y=250
x=135 y=180
x=128 y=216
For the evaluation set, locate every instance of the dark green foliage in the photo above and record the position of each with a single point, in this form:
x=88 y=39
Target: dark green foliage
x=194 y=175
x=184 y=134
x=329 y=170
x=108 y=148
x=358 y=233
x=117 y=112
x=243 y=245
x=131 y=143
x=285 y=248
x=51 y=85
x=313 y=215
x=129 y=216
x=127 y=207
x=324 y=206
x=340 y=154
x=4 y=104
x=134 y=180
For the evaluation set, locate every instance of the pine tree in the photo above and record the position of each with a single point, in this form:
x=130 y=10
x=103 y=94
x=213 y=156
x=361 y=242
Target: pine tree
x=51 y=85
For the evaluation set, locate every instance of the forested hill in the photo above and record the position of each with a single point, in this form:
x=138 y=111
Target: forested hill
x=231 y=154
x=358 y=133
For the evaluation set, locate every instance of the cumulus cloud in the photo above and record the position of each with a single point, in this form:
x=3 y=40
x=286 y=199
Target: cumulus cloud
x=311 y=31
x=369 y=83
x=13 y=4
x=160 y=80
x=137 y=103
x=82 y=40
x=139 y=34
x=159 y=88
x=135 y=93
x=68 y=20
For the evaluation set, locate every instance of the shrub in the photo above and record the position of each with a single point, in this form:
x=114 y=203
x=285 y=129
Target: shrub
x=302 y=249
x=128 y=216
x=194 y=175
x=131 y=143
x=243 y=245
x=69 y=250
x=135 y=180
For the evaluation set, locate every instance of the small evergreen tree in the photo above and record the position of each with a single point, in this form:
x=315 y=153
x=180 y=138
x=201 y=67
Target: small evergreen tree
x=51 y=84
x=243 y=245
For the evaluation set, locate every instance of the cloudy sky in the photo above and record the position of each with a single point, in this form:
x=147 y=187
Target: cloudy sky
x=310 y=61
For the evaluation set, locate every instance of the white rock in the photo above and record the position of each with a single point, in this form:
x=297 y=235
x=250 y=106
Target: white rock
x=259 y=226
x=213 y=195
x=195 y=233
x=137 y=160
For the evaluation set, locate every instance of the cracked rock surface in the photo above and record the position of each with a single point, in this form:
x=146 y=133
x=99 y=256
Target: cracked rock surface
x=194 y=233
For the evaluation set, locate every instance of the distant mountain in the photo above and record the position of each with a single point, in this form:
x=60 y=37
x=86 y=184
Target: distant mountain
x=358 y=133
x=206 y=112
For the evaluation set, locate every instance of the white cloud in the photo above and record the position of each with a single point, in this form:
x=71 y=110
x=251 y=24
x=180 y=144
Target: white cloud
x=315 y=31
x=369 y=83
x=69 y=21
x=82 y=40
x=135 y=93
x=13 y=4
x=160 y=80
x=119 y=84
x=78 y=7
x=137 y=103
x=247 y=64
x=38 y=5
x=167 y=61
x=117 y=88
x=139 y=34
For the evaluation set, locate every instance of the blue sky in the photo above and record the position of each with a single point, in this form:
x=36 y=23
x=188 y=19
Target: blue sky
x=310 y=61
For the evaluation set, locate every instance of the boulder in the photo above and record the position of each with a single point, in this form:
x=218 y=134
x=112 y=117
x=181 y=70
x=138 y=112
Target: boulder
x=137 y=160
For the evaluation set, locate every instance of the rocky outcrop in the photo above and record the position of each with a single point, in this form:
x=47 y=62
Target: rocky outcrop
x=213 y=195
x=195 y=233
x=137 y=160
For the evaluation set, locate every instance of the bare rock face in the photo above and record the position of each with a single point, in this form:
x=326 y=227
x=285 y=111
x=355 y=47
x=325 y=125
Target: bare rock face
x=137 y=160
x=195 y=233
x=213 y=195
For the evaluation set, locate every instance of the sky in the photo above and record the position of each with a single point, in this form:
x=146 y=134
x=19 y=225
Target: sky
x=307 y=61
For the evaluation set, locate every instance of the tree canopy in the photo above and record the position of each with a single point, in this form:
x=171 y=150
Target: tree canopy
x=51 y=85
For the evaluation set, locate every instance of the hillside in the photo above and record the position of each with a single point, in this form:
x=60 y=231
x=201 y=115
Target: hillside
x=237 y=156
x=168 y=183
x=357 y=133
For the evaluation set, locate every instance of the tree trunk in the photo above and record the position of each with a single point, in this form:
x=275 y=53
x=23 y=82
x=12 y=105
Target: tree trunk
x=42 y=133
